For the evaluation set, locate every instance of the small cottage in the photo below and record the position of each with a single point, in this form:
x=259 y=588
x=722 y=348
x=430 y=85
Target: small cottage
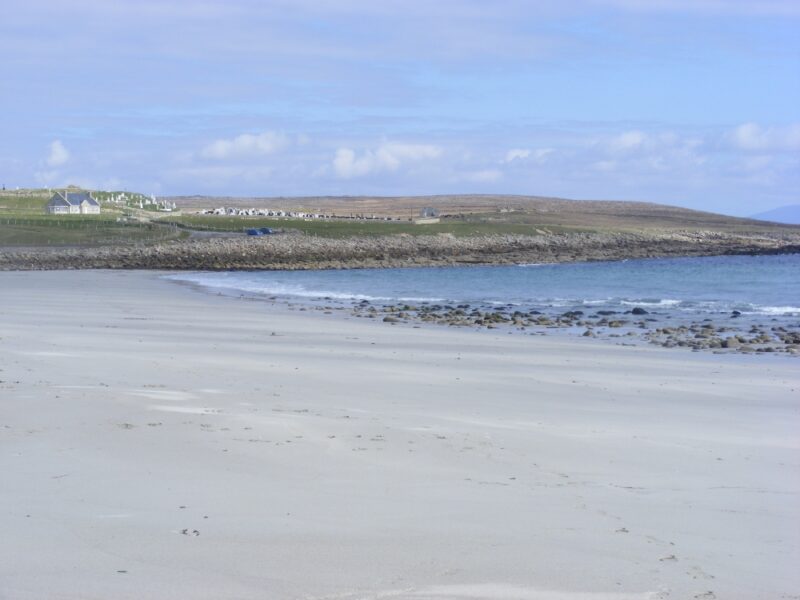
x=72 y=203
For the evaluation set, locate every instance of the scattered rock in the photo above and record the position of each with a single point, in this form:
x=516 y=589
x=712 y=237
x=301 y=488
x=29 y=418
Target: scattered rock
x=731 y=342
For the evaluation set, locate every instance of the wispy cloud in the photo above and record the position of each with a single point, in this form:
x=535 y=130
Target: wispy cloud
x=751 y=136
x=246 y=145
x=583 y=99
x=517 y=154
x=389 y=156
x=58 y=154
x=627 y=141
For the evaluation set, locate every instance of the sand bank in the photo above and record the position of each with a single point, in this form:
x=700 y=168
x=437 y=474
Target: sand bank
x=157 y=442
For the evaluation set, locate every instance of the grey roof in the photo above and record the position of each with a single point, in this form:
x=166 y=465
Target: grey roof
x=57 y=199
x=73 y=198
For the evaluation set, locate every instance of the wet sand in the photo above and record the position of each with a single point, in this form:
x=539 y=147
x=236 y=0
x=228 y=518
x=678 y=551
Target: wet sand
x=160 y=442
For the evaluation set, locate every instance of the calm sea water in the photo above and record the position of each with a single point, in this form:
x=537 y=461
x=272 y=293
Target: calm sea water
x=765 y=285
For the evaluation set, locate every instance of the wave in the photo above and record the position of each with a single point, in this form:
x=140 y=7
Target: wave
x=787 y=311
x=665 y=302
x=421 y=300
x=498 y=287
x=261 y=288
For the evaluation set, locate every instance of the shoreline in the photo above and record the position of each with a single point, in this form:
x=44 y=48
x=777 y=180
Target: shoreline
x=298 y=252
x=627 y=323
x=166 y=443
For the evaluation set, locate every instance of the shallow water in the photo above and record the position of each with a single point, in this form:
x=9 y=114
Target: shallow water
x=689 y=287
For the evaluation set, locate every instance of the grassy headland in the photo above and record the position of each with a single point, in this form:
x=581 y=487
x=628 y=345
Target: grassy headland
x=24 y=223
x=369 y=232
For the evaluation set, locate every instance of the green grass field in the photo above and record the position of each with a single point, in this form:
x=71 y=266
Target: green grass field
x=23 y=222
x=18 y=204
x=45 y=230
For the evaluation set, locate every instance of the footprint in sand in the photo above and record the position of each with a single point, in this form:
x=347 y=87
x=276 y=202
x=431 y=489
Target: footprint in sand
x=670 y=558
x=698 y=573
x=193 y=532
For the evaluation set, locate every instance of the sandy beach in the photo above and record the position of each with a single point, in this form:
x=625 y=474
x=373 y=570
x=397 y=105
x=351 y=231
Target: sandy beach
x=160 y=442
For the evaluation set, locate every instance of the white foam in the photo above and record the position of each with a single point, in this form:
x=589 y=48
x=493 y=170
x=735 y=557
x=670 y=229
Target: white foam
x=213 y=281
x=777 y=310
x=650 y=302
x=414 y=299
x=263 y=288
x=276 y=284
x=594 y=302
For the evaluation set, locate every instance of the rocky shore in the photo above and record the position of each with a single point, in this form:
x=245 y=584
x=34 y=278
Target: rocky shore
x=734 y=333
x=298 y=251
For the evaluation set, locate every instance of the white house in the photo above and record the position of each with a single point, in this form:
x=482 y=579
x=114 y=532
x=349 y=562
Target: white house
x=72 y=203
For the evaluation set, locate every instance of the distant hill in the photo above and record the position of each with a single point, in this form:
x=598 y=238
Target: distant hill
x=498 y=209
x=785 y=214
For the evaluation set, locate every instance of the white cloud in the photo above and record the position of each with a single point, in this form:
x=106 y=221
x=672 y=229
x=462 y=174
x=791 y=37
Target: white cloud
x=748 y=136
x=629 y=140
x=541 y=154
x=525 y=155
x=751 y=136
x=517 y=154
x=387 y=157
x=58 y=155
x=605 y=165
x=245 y=146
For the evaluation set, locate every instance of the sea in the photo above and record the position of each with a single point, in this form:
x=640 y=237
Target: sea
x=693 y=288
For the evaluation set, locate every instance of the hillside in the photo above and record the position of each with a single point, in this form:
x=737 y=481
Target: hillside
x=533 y=211
x=473 y=229
x=789 y=215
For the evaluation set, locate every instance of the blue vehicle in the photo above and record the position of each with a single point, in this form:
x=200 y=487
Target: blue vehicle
x=266 y=231
x=254 y=232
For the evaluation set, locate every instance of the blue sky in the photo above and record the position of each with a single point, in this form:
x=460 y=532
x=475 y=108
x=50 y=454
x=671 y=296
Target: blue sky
x=688 y=102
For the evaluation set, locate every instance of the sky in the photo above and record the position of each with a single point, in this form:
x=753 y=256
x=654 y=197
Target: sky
x=687 y=102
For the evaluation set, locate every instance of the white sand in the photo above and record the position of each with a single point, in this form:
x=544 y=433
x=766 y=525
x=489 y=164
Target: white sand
x=349 y=459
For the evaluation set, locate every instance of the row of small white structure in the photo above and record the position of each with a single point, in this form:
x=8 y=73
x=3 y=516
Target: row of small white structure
x=268 y=212
x=140 y=201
